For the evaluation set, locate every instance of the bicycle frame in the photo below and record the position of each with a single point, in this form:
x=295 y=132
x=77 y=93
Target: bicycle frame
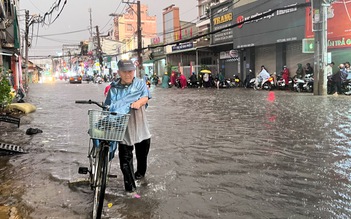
x=99 y=154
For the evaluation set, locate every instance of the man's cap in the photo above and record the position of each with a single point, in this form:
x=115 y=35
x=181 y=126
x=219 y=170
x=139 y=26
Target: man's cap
x=125 y=65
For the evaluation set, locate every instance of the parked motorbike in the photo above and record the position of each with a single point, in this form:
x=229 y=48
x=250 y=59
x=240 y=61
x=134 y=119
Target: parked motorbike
x=236 y=81
x=267 y=85
x=304 y=85
x=247 y=81
x=346 y=87
x=194 y=84
x=177 y=83
x=252 y=83
x=225 y=84
x=282 y=85
x=98 y=80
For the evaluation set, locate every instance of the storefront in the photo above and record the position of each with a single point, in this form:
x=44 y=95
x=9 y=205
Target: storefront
x=338 y=33
x=222 y=42
x=274 y=39
x=182 y=55
x=229 y=63
x=158 y=58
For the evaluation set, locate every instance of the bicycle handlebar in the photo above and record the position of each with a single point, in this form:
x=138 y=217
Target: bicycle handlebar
x=90 y=102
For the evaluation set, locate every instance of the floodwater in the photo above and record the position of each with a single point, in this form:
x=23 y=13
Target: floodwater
x=228 y=153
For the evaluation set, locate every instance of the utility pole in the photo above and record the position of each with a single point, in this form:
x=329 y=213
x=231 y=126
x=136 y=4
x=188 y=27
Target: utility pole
x=26 y=33
x=139 y=29
x=320 y=16
x=98 y=51
x=91 y=24
x=140 y=58
x=324 y=48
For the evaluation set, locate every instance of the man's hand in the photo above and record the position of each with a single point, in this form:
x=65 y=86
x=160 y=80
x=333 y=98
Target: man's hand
x=136 y=105
x=139 y=103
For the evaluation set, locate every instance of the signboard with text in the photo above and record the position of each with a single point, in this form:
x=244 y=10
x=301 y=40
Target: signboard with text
x=338 y=24
x=183 y=46
x=159 y=51
x=276 y=27
x=222 y=17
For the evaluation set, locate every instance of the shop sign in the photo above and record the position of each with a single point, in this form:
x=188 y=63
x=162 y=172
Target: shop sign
x=159 y=51
x=339 y=24
x=284 y=25
x=228 y=54
x=223 y=17
x=339 y=43
x=183 y=46
x=233 y=53
x=156 y=40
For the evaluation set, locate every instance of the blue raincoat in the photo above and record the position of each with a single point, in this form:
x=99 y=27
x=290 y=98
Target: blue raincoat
x=121 y=96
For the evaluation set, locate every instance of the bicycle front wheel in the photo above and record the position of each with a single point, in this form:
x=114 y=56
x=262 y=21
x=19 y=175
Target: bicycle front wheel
x=100 y=183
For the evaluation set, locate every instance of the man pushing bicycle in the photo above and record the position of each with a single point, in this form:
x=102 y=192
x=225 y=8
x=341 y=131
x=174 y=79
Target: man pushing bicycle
x=129 y=95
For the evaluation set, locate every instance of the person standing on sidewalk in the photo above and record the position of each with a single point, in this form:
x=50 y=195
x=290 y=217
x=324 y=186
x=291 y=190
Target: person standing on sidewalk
x=337 y=79
x=129 y=94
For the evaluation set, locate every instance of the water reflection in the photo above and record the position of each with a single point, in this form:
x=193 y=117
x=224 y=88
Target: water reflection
x=231 y=153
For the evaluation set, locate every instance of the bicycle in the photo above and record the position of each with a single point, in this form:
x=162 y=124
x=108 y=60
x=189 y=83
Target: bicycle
x=109 y=129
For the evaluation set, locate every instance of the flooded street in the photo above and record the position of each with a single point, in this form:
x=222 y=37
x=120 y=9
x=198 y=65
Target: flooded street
x=228 y=153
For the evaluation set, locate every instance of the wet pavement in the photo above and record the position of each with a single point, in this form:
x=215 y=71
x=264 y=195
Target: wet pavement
x=228 y=153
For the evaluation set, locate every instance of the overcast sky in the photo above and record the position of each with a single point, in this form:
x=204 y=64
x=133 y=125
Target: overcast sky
x=75 y=17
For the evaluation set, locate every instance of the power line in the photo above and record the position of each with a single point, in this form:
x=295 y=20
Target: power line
x=55 y=34
x=34 y=5
x=111 y=17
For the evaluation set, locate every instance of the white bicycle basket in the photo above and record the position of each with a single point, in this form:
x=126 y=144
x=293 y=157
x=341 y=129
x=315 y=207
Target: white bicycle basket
x=104 y=125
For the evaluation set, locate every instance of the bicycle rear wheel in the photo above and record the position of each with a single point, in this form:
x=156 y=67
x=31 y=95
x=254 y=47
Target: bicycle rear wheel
x=100 y=183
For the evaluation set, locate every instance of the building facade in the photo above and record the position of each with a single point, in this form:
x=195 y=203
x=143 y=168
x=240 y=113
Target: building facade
x=271 y=34
x=10 y=56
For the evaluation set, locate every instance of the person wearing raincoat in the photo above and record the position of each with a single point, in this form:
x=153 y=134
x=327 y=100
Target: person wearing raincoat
x=300 y=71
x=182 y=80
x=129 y=95
x=173 y=78
x=165 y=80
x=286 y=75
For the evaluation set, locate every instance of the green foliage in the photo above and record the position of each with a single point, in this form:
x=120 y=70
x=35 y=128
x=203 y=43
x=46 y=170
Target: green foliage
x=5 y=89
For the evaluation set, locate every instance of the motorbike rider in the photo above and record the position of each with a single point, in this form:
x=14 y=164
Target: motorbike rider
x=262 y=77
x=155 y=79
